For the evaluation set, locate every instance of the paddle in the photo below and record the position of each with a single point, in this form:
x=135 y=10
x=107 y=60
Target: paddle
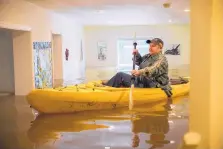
x=133 y=77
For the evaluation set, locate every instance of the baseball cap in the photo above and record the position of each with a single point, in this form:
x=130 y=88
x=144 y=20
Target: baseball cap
x=156 y=41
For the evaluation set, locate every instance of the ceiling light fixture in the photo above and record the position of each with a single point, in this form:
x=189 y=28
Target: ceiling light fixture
x=186 y=10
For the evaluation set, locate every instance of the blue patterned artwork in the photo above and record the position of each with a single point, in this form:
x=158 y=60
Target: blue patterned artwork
x=43 y=64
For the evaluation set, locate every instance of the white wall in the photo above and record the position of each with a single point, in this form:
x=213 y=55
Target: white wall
x=173 y=34
x=57 y=59
x=23 y=69
x=72 y=34
x=43 y=23
x=6 y=62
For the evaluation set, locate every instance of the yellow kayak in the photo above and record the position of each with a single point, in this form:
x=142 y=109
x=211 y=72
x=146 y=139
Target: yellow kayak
x=95 y=96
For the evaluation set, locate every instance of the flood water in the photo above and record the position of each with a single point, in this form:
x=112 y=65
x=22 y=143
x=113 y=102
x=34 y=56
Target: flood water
x=159 y=125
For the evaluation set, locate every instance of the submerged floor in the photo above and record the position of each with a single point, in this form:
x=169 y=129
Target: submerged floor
x=161 y=125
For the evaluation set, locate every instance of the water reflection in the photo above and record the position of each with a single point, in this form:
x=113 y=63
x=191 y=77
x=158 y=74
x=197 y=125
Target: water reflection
x=146 y=126
x=156 y=125
x=15 y=117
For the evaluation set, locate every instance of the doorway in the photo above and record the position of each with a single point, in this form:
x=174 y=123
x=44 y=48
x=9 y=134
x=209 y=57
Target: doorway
x=16 y=75
x=7 y=85
x=57 y=60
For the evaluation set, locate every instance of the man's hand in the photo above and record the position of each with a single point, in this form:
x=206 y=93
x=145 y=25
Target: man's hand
x=135 y=51
x=135 y=72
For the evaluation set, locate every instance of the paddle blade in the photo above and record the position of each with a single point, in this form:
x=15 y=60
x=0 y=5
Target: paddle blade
x=131 y=103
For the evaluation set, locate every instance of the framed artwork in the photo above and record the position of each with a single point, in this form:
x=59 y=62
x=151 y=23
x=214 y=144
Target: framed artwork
x=43 y=64
x=102 y=50
x=172 y=49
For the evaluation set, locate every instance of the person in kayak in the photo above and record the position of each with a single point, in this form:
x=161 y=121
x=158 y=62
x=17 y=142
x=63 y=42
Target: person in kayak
x=152 y=72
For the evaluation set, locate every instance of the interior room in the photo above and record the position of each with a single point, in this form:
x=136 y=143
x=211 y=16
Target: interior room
x=115 y=36
x=70 y=72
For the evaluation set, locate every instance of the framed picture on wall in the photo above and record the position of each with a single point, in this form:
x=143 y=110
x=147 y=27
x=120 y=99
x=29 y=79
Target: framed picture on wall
x=172 y=49
x=102 y=50
x=43 y=64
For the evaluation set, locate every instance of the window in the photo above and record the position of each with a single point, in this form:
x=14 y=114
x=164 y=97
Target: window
x=125 y=48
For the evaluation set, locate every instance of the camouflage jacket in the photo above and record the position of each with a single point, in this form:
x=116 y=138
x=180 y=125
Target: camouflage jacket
x=154 y=67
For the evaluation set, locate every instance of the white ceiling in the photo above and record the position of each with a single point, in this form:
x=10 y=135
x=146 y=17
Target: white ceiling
x=120 y=12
